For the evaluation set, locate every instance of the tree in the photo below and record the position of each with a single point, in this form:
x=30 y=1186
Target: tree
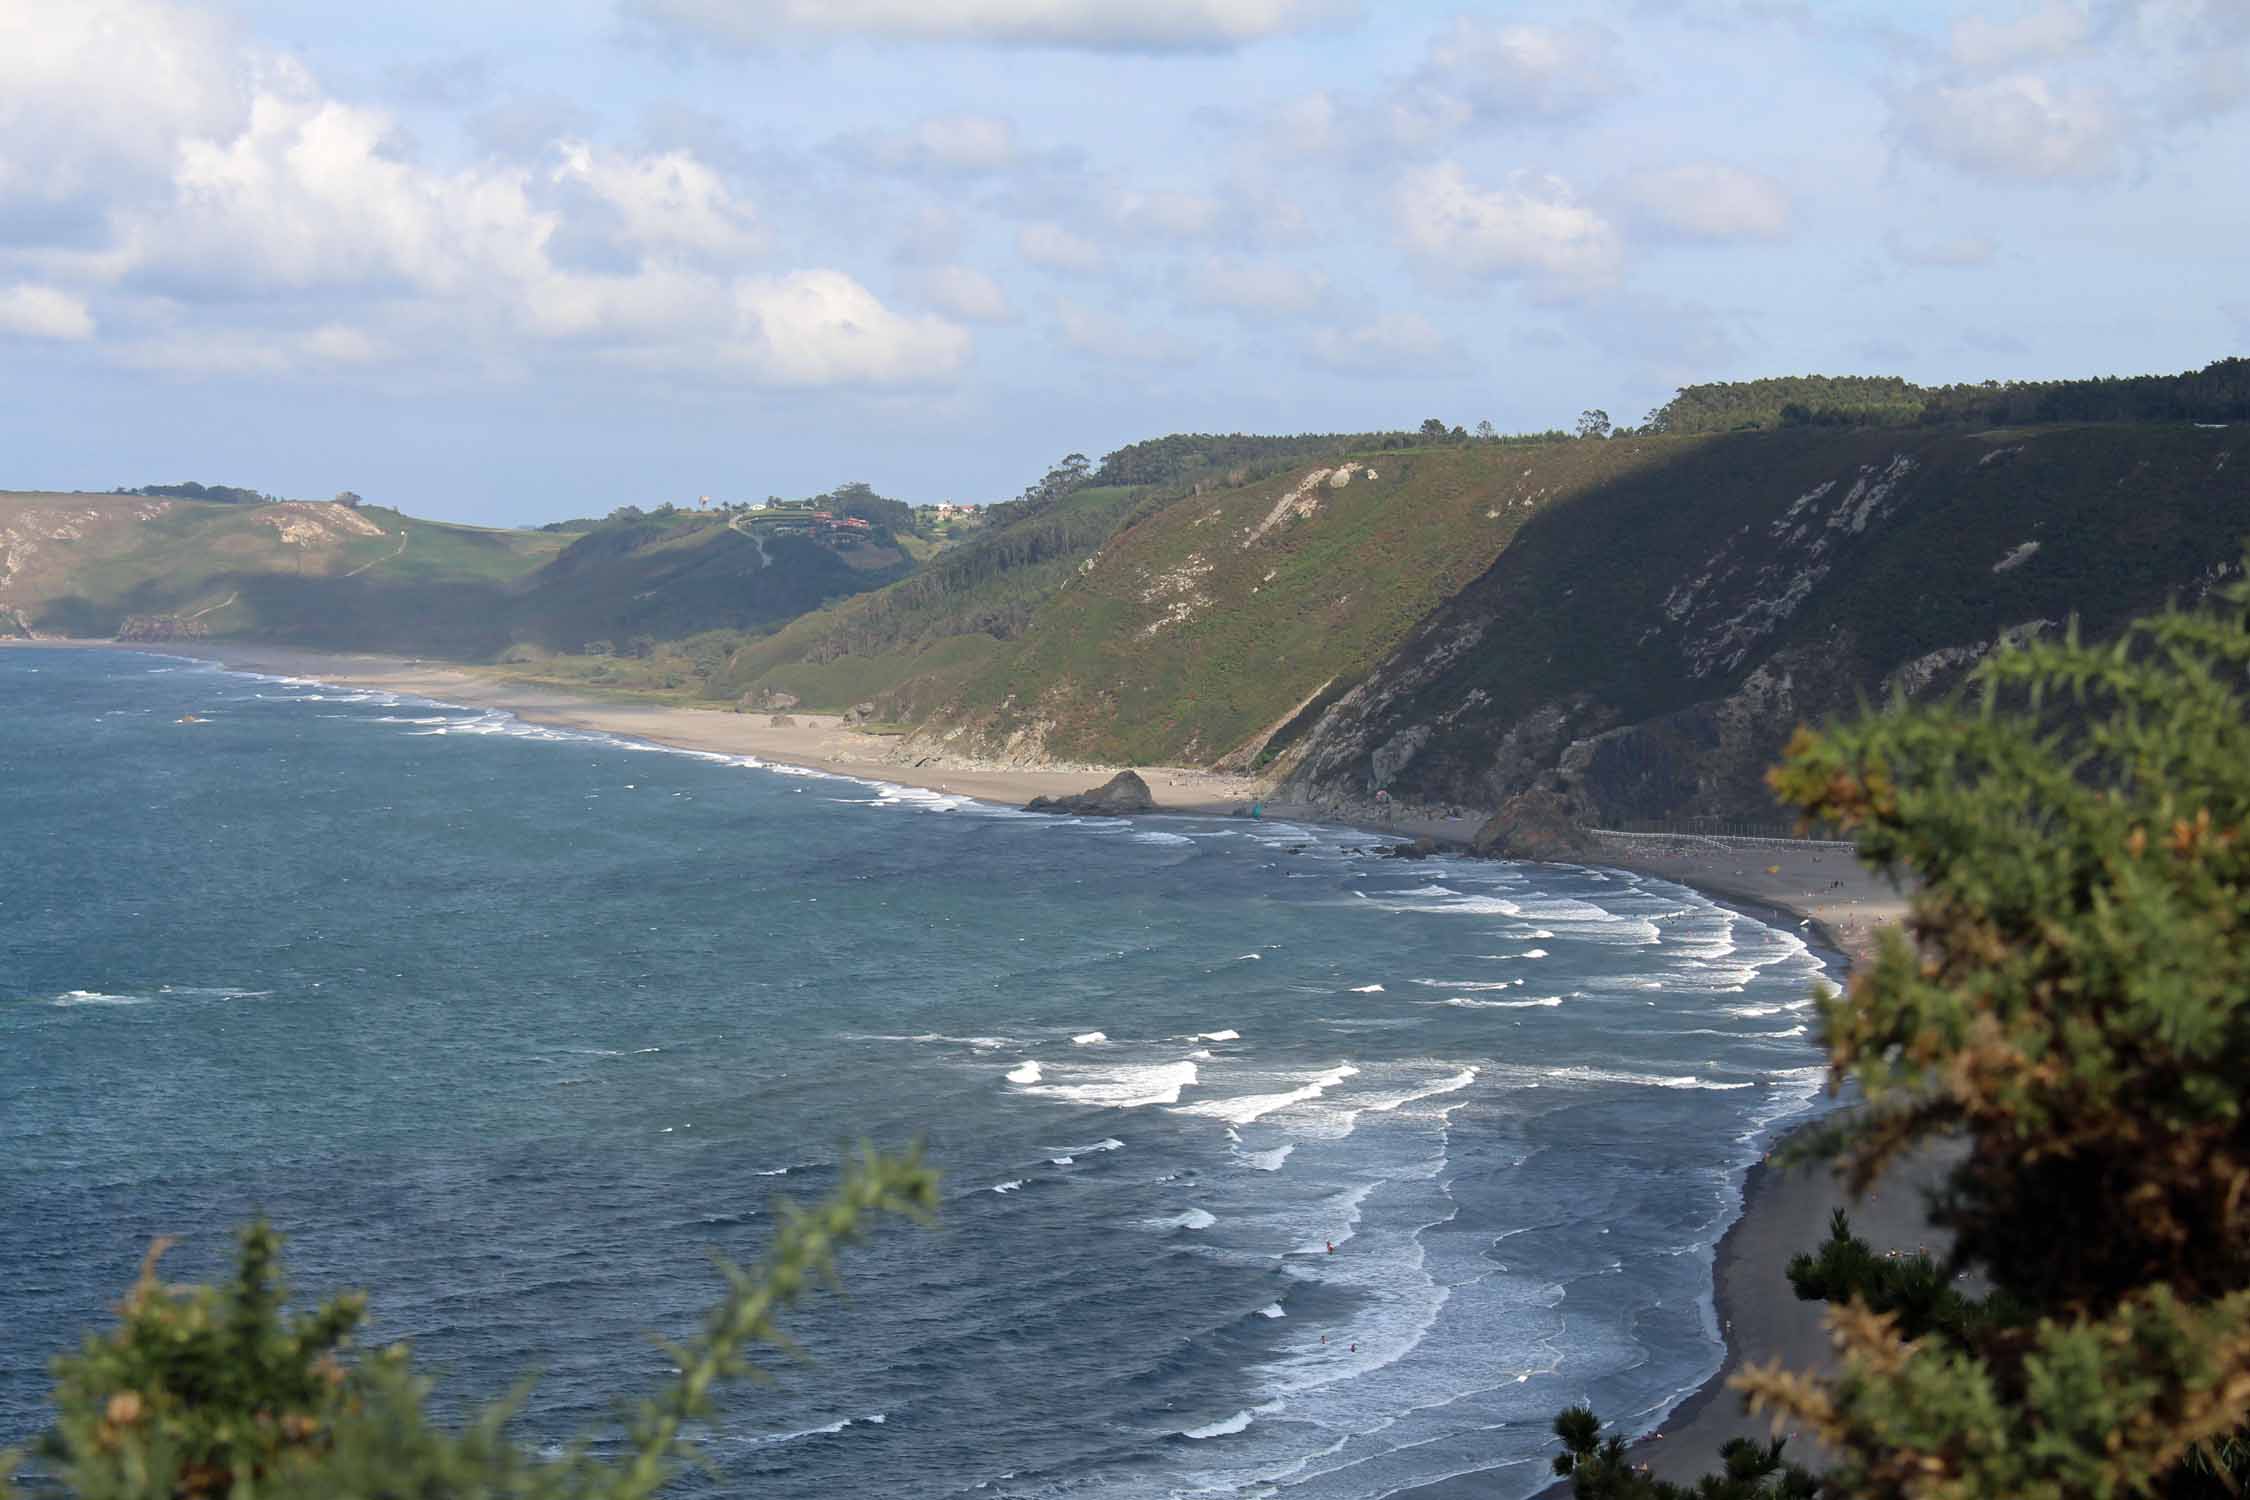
x=208 y=1391
x=2066 y=1002
x=1433 y=429
x=1486 y=432
x=1600 y=1468
x=598 y=648
x=348 y=499
x=1593 y=423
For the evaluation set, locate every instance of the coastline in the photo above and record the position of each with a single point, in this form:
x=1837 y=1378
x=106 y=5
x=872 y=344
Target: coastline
x=1824 y=893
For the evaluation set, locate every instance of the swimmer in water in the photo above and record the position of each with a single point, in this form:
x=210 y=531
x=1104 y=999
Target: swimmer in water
x=1331 y=1247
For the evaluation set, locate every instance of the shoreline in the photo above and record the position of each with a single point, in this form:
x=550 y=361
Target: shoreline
x=1837 y=906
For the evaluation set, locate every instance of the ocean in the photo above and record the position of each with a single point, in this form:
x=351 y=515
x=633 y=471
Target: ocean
x=513 y=1026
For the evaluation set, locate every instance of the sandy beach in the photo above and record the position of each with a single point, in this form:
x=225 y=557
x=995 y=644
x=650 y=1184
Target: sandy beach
x=821 y=742
x=1822 y=890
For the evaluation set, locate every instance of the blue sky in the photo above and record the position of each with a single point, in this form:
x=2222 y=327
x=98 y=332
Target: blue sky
x=509 y=262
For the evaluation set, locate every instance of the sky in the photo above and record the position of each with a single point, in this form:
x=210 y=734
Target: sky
x=508 y=262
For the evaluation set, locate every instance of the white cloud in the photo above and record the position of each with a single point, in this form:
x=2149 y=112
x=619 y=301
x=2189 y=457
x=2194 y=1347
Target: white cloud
x=967 y=293
x=294 y=193
x=1964 y=250
x=43 y=312
x=1166 y=214
x=976 y=143
x=665 y=202
x=1097 y=25
x=1057 y=249
x=1533 y=226
x=2015 y=126
x=1710 y=201
x=2050 y=30
x=1255 y=288
x=1521 y=70
x=1111 y=337
x=1391 y=344
x=961 y=143
x=341 y=344
x=95 y=91
x=821 y=328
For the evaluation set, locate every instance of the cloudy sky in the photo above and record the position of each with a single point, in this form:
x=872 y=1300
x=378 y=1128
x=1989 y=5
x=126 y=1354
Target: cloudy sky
x=511 y=260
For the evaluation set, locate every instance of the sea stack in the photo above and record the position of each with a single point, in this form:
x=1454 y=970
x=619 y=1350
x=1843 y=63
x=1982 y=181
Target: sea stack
x=1121 y=796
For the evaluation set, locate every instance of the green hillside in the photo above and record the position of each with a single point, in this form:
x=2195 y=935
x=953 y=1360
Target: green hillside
x=158 y=567
x=1645 y=644
x=914 y=644
x=1215 y=617
x=316 y=573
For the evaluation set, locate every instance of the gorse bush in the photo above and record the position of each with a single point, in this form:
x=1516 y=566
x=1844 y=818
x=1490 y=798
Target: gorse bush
x=2068 y=1003
x=221 y=1392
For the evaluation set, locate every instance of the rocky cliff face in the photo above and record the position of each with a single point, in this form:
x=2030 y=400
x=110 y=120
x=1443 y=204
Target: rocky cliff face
x=1643 y=650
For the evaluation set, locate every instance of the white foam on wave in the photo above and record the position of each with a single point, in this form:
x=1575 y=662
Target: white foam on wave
x=1106 y=1143
x=212 y=992
x=1127 y=1087
x=1241 y=957
x=1029 y=1072
x=1367 y=989
x=1088 y=1038
x=1194 y=1218
x=802 y=1166
x=1533 y=953
x=1245 y=1108
x=1648 y=1080
x=981 y=1043
x=1154 y=836
x=775 y=1440
x=1469 y=984
x=1449 y=1085
x=1272 y=1310
x=1221 y=1428
x=1265 y=1161
x=1008 y=1187
x=1217 y=1036
x=1465 y=1002
x=1200 y=1054
x=70 y=998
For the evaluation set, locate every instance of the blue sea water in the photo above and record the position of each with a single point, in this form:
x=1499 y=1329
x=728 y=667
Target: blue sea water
x=513 y=1026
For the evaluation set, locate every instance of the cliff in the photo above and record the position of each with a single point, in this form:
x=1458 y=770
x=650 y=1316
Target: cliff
x=1643 y=648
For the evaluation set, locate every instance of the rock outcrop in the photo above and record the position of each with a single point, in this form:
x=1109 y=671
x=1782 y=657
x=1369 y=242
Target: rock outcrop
x=1121 y=796
x=1533 y=825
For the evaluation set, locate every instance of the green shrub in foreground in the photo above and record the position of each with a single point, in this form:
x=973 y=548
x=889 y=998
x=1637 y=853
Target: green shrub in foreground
x=2070 y=1001
x=219 y=1391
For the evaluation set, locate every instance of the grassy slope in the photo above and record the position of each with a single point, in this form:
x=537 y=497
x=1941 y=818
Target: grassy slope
x=317 y=575
x=1573 y=618
x=916 y=644
x=82 y=564
x=1186 y=639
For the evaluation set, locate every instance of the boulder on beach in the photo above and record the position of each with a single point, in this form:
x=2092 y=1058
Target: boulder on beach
x=1422 y=848
x=1121 y=796
x=1532 y=825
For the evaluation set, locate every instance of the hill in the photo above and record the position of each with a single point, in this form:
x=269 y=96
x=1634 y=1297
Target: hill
x=1645 y=645
x=316 y=573
x=158 y=567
